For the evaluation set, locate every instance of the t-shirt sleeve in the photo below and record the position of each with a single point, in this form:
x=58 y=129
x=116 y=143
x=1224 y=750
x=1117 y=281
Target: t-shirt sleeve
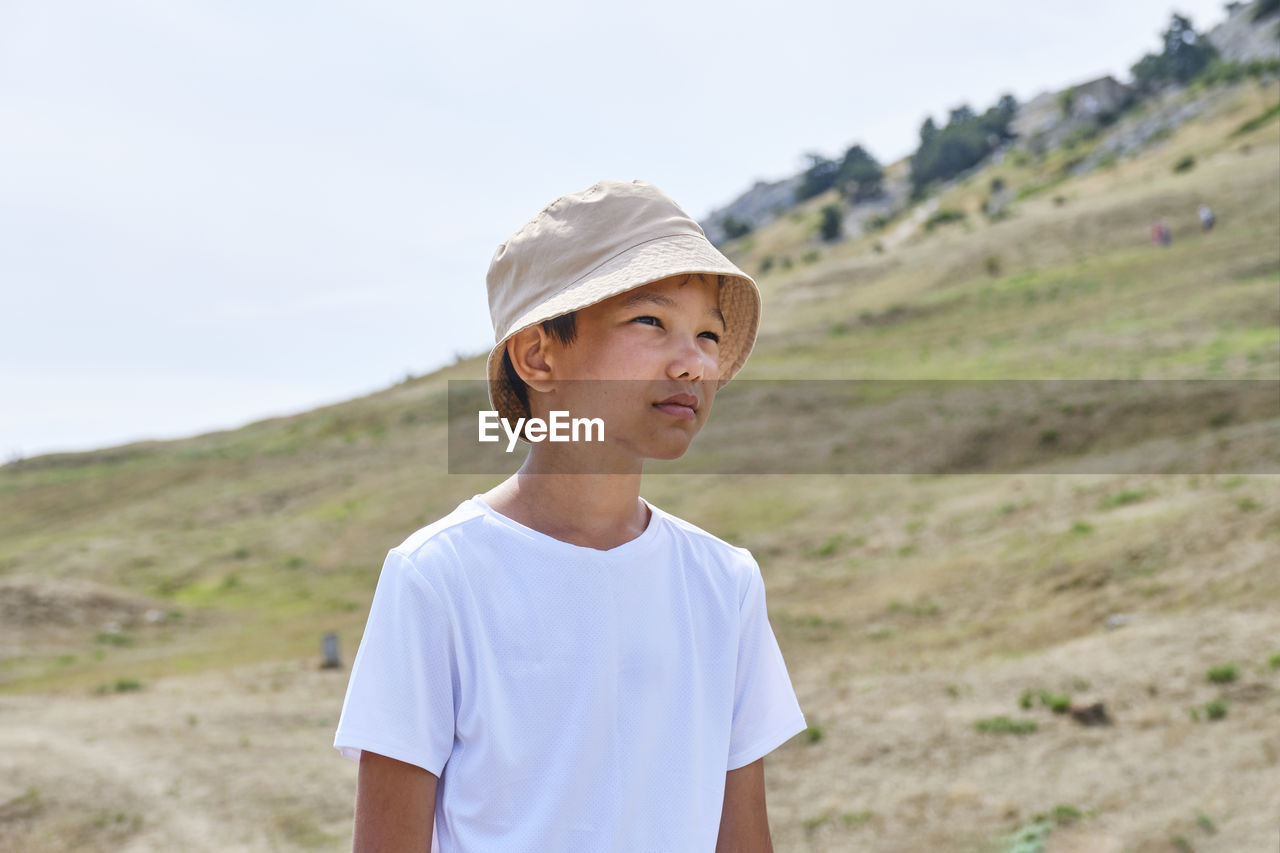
x=400 y=699
x=765 y=710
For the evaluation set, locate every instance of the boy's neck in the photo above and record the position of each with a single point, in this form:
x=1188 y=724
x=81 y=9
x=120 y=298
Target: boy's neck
x=600 y=511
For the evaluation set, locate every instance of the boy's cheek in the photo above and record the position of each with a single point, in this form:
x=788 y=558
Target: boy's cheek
x=708 y=390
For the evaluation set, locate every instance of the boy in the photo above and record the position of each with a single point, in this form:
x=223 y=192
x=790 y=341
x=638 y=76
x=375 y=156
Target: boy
x=559 y=665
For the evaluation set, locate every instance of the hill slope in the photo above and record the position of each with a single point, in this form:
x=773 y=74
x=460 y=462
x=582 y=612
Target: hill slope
x=908 y=607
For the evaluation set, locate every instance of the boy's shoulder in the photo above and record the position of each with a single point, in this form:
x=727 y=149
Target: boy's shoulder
x=449 y=527
x=702 y=538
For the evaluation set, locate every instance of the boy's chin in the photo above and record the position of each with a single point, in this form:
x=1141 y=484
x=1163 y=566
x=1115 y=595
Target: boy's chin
x=667 y=448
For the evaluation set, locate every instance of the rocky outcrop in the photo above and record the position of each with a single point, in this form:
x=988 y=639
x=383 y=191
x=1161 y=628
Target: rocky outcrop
x=1050 y=118
x=757 y=206
x=1242 y=39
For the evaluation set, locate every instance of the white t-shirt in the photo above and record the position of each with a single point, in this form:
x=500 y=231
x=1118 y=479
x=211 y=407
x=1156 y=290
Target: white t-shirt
x=568 y=698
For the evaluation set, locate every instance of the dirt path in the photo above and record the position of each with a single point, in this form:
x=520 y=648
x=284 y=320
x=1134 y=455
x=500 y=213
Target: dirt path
x=242 y=760
x=229 y=761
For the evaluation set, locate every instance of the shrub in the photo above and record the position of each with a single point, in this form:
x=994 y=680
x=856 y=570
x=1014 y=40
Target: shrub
x=1128 y=496
x=1030 y=838
x=942 y=217
x=766 y=264
x=1057 y=702
x=826 y=549
x=1221 y=419
x=992 y=265
x=1062 y=814
x=735 y=228
x=815 y=732
x=1257 y=121
x=111 y=638
x=1220 y=71
x=832 y=222
x=1223 y=674
x=1066 y=102
x=1216 y=709
x=810 y=257
x=1274 y=661
x=1186 y=164
x=1005 y=726
x=122 y=685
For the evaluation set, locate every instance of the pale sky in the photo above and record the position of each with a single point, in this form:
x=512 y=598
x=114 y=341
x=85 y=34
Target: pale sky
x=217 y=212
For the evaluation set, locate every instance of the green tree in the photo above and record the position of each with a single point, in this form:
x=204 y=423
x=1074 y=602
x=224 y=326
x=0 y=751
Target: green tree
x=962 y=114
x=963 y=143
x=1185 y=54
x=818 y=178
x=996 y=120
x=1185 y=51
x=928 y=131
x=860 y=176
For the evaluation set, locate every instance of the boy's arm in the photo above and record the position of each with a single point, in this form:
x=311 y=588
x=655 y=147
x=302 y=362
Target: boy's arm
x=744 y=822
x=395 y=805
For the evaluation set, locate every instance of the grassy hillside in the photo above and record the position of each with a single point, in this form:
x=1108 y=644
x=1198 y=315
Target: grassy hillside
x=908 y=607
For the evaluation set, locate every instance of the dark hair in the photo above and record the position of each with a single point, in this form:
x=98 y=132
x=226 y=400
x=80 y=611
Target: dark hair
x=563 y=328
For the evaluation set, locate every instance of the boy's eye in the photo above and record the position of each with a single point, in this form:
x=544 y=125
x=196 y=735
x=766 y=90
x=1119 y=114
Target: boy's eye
x=650 y=320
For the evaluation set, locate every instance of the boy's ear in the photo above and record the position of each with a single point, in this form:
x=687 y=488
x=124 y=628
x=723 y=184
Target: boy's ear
x=527 y=350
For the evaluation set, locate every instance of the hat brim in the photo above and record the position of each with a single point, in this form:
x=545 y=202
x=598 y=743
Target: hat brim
x=651 y=261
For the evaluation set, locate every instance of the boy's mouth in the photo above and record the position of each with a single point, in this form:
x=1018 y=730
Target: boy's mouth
x=683 y=406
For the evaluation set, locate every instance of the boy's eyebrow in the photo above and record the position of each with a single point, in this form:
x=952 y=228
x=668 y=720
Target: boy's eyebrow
x=666 y=302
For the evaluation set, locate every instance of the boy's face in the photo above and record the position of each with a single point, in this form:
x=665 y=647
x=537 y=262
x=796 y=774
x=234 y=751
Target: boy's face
x=661 y=340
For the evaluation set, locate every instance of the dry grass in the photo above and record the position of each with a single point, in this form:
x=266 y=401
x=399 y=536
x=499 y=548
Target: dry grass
x=908 y=607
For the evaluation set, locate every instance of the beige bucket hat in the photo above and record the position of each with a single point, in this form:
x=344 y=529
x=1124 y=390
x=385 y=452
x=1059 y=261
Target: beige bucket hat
x=587 y=246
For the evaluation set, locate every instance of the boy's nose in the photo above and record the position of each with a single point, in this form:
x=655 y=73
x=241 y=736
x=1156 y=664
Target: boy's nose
x=691 y=362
